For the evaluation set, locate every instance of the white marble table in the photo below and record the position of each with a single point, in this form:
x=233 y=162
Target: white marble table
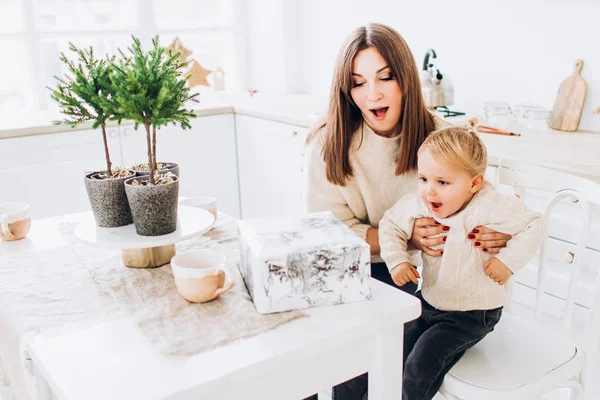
x=113 y=360
x=43 y=236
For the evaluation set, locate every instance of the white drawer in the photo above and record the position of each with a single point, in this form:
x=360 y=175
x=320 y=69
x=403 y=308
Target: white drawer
x=553 y=306
x=559 y=271
x=557 y=280
x=564 y=222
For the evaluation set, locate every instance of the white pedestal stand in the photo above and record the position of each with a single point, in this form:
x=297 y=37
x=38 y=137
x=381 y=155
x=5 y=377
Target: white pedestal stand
x=146 y=251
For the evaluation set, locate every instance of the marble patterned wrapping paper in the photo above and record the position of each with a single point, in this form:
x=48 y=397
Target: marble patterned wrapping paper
x=300 y=262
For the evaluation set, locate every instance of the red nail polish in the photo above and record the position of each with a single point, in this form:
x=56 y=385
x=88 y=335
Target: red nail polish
x=484 y=249
x=475 y=230
x=446 y=228
x=477 y=244
x=471 y=236
x=445 y=238
x=437 y=223
x=442 y=252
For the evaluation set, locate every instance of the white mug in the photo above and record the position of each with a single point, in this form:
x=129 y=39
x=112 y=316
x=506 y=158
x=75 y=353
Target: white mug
x=15 y=221
x=200 y=275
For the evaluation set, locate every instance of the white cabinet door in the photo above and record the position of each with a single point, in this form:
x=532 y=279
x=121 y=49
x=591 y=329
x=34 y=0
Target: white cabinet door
x=73 y=145
x=47 y=170
x=206 y=156
x=270 y=156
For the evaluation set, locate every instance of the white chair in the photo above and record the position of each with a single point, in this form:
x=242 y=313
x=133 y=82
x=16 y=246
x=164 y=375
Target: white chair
x=50 y=189
x=524 y=358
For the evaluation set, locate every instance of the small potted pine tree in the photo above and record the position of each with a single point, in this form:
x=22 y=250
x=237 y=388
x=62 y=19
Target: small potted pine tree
x=83 y=95
x=143 y=169
x=151 y=90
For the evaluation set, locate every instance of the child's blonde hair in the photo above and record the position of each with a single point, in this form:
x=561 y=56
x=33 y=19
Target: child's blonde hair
x=459 y=147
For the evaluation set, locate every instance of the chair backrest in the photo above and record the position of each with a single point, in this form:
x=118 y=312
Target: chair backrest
x=563 y=186
x=50 y=189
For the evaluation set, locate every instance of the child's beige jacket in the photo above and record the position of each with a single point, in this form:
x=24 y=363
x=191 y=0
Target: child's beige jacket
x=457 y=281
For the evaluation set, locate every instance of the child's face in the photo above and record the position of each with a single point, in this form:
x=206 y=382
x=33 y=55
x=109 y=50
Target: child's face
x=376 y=92
x=444 y=188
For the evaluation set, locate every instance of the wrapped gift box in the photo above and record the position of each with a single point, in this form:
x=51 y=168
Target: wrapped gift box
x=299 y=262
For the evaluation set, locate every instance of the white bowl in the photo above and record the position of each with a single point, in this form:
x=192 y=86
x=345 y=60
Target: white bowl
x=206 y=203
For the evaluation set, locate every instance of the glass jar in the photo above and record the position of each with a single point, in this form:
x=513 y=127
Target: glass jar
x=497 y=114
x=520 y=111
x=537 y=118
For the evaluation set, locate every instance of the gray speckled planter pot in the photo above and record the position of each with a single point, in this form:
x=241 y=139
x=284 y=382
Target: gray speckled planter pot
x=172 y=167
x=108 y=201
x=154 y=208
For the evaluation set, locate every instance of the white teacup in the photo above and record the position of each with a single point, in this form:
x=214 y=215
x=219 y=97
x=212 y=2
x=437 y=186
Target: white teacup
x=200 y=275
x=15 y=221
x=206 y=203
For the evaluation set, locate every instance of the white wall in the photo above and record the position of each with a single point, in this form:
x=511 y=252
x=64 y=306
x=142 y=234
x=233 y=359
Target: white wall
x=513 y=51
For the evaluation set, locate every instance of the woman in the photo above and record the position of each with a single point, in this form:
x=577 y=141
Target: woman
x=363 y=157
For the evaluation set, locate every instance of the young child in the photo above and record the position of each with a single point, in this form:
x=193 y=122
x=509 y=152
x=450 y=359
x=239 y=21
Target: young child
x=462 y=292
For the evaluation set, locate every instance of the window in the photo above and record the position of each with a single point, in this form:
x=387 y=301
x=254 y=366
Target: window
x=34 y=32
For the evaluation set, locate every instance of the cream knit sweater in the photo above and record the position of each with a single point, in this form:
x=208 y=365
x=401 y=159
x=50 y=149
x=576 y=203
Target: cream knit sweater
x=457 y=281
x=372 y=190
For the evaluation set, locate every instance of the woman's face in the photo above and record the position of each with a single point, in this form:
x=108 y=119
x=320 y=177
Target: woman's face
x=376 y=92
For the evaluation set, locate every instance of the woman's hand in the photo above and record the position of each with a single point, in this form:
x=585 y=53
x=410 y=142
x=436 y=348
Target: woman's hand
x=489 y=240
x=423 y=229
x=373 y=240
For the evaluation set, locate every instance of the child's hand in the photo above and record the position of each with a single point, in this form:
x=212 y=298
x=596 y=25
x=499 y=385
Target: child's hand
x=404 y=273
x=497 y=271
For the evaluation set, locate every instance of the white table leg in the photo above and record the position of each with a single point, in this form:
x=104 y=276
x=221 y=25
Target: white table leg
x=43 y=389
x=385 y=374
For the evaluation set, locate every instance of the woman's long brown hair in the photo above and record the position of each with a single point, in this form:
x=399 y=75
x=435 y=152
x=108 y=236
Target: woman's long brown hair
x=344 y=117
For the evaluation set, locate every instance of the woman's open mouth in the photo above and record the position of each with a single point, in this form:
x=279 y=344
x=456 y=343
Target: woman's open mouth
x=379 y=113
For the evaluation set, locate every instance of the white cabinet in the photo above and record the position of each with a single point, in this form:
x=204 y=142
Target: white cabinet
x=270 y=156
x=206 y=156
x=563 y=231
x=72 y=145
x=50 y=169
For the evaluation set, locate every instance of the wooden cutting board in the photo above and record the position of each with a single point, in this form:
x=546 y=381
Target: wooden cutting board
x=569 y=101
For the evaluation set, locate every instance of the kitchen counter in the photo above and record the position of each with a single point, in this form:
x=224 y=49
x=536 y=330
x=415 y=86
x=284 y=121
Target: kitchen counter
x=575 y=152
x=299 y=110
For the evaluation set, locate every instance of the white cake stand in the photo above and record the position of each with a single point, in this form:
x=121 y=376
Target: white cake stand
x=145 y=251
